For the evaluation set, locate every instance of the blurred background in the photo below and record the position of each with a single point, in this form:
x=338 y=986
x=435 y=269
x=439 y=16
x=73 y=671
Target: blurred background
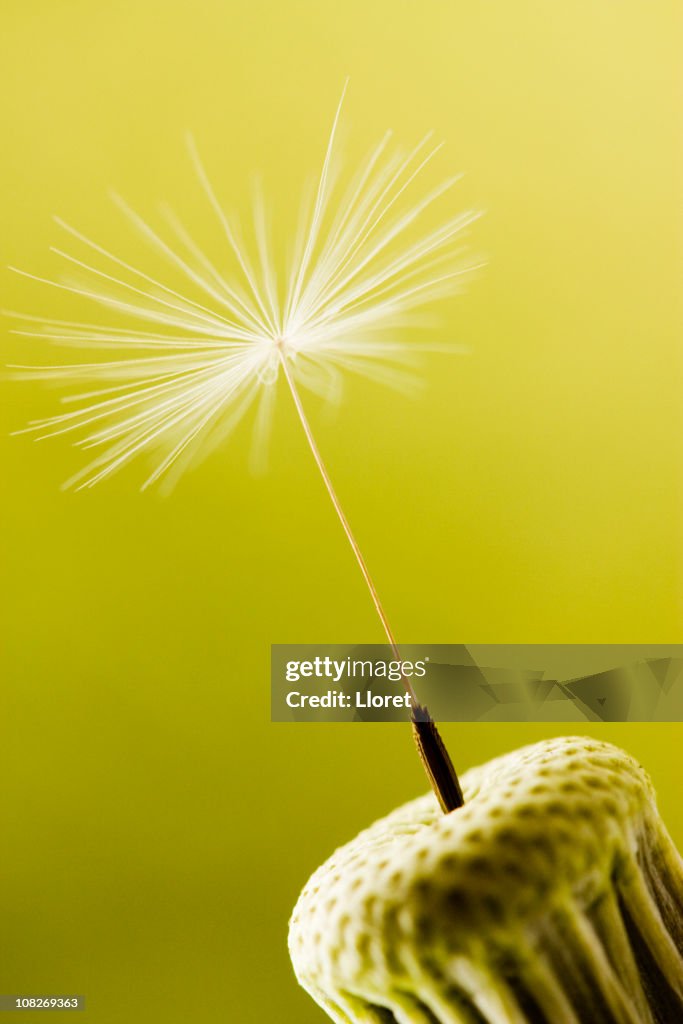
x=156 y=827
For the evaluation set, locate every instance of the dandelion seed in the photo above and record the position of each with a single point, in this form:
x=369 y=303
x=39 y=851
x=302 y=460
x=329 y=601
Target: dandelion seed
x=199 y=355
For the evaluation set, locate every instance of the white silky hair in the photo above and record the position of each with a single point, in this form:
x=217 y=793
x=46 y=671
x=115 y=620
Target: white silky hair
x=191 y=367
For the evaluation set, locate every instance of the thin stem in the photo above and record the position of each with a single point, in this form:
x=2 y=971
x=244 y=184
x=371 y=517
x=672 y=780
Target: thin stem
x=433 y=753
x=343 y=520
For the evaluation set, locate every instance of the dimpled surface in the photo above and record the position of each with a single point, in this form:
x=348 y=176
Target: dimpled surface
x=542 y=827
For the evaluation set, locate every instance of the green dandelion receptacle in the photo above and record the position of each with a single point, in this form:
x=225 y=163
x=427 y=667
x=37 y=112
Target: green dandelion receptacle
x=554 y=896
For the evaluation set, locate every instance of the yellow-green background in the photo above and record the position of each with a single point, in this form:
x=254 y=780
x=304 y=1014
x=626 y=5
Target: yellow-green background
x=155 y=827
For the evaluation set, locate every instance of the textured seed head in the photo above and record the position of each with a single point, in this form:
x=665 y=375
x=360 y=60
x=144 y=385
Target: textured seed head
x=515 y=908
